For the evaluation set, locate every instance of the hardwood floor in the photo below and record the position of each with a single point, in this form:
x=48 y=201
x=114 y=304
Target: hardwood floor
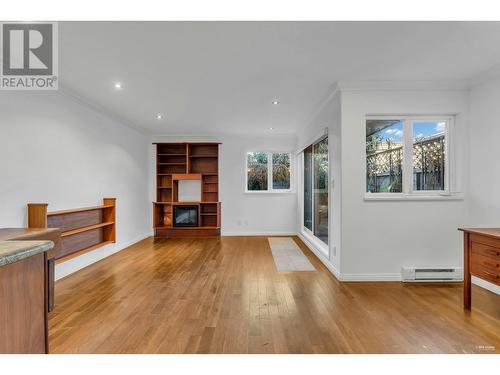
x=223 y=295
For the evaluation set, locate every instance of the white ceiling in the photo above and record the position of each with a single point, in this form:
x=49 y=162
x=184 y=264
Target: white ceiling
x=221 y=77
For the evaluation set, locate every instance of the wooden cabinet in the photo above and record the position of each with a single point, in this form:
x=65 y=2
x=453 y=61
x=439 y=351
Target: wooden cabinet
x=31 y=234
x=481 y=258
x=23 y=307
x=187 y=161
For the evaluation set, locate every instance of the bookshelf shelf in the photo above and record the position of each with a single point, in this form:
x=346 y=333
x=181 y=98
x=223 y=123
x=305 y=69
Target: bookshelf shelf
x=83 y=251
x=74 y=210
x=86 y=228
x=187 y=161
x=82 y=229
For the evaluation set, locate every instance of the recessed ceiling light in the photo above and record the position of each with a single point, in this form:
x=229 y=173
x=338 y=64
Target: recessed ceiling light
x=275 y=102
x=271 y=128
x=118 y=86
x=159 y=116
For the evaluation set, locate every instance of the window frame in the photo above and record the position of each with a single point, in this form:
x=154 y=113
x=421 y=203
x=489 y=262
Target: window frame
x=408 y=192
x=322 y=247
x=270 y=189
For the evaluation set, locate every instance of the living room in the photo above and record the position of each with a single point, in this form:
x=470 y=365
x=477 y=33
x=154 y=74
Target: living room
x=249 y=187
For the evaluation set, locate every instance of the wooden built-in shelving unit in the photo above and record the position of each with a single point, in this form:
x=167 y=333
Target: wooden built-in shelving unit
x=187 y=161
x=82 y=229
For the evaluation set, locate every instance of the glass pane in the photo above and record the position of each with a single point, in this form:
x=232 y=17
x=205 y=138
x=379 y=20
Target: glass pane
x=320 y=165
x=384 y=156
x=281 y=171
x=428 y=155
x=308 y=188
x=257 y=171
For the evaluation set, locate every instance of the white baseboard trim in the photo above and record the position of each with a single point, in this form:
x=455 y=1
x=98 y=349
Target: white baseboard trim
x=256 y=233
x=366 y=277
x=321 y=256
x=370 y=277
x=75 y=264
x=486 y=285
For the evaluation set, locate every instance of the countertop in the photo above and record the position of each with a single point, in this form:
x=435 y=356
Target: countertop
x=13 y=251
x=7 y=234
x=490 y=232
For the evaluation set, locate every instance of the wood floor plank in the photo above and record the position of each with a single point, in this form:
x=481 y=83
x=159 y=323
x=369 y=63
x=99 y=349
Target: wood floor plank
x=224 y=295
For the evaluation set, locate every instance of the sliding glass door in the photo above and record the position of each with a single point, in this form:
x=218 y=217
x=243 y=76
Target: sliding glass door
x=315 y=178
x=308 y=188
x=320 y=173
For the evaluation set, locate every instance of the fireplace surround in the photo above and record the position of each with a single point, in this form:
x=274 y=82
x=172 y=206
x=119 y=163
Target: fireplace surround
x=185 y=216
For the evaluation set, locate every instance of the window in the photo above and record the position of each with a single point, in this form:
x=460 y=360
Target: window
x=428 y=145
x=407 y=156
x=281 y=171
x=268 y=172
x=315 y=175
x=257 y=171
x=384 y=156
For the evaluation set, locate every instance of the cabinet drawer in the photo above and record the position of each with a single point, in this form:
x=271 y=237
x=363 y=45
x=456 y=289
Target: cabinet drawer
x=487 y=263
x=486 y=274
x=485 y=250
x=485 y=268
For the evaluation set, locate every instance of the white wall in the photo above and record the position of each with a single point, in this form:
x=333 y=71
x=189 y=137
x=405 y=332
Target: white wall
x=328 y=116
x=54 y=149
x=246 y=213
x=484 y=189
x=379 y=237
x=484 y=186
x=374 y=239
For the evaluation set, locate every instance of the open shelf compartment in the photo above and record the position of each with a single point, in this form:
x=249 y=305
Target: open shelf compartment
x=82 y=229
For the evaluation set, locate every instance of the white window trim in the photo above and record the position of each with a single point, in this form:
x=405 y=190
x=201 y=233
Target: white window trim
x=270 y=189
x=408 y=193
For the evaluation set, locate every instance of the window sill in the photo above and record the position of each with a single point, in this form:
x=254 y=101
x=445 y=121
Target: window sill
x=413 y=197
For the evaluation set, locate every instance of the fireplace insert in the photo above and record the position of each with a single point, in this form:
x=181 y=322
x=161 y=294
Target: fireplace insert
x=185 y=216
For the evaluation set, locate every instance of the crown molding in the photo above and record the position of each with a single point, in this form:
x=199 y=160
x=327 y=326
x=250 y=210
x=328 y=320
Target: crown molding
x=488 y=75
x=457 y=85
x=218 y=137
x=67 y=92
x=332 y=92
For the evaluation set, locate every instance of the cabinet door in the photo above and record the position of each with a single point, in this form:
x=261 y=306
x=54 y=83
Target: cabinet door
x=22 y=311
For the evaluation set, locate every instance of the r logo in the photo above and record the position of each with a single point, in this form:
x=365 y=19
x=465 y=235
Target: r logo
x=27 y=49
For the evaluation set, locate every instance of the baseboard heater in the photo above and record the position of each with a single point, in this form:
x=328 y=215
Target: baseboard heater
x=431 y=274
